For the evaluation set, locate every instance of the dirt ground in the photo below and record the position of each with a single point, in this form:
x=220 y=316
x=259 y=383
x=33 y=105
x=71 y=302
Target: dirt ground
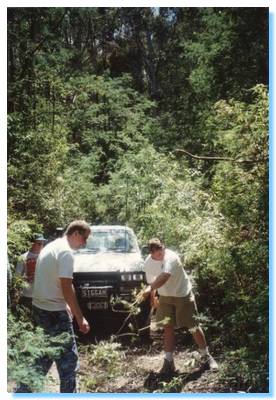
x=136 y=370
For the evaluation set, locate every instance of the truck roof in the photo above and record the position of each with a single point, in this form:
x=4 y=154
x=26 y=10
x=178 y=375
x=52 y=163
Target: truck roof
x=109 y=227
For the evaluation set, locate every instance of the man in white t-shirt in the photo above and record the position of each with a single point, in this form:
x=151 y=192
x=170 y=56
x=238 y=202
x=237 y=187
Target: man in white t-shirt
x=54 y=303
x=177 y=307
x=25 y=267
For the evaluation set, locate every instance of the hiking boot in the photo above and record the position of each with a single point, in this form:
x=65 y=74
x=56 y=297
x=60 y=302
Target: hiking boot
x=210 y=361
x=168 y=367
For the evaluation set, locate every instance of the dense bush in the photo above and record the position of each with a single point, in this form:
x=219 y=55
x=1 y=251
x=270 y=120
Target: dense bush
x=25 y=345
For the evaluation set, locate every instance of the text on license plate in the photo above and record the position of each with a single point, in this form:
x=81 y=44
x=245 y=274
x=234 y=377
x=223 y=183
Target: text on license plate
x=93 y=292
x=98 y=305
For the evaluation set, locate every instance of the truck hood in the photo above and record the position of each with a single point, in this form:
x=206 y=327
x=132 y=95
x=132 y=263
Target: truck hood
x=108 y=262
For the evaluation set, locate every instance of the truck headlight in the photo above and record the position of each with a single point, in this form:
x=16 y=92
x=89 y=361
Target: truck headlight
x=138 y=277
x=127 y=277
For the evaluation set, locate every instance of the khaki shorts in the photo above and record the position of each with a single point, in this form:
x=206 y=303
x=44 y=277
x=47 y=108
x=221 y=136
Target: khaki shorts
x=177 y=311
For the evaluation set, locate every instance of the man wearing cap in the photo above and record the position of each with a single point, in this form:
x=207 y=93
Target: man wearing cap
x=177 y=307
x=26 y=268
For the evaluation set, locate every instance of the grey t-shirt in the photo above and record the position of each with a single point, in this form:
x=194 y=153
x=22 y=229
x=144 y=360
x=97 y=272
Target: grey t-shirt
x=178 y=284
x=54 y=262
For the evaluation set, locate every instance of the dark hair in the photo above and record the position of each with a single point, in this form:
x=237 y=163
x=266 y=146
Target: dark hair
x=155 y=244
x=77 y=226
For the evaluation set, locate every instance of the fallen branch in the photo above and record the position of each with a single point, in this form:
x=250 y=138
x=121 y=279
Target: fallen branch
x=218 y=158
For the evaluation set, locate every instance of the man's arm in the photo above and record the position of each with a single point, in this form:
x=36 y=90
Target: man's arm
x=157 y=283
x=70 y=298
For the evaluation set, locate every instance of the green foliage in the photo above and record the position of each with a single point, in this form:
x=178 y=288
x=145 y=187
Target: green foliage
x=107 y=118
x=105 y=354
x=138 y=178
x=19 y=239
x=238 y=267
x=215 y=50
x=158 y=196
x=20 y=236
x=105 y=358
x=250 y=374
x=34 y=165
x=25 y=345
x=173 y=386
x=47 y=166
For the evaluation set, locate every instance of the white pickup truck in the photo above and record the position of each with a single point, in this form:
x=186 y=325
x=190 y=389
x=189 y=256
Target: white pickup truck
x=107 y=273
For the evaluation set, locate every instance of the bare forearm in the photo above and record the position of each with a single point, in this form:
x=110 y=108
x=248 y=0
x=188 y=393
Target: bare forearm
x=71 y=300
x=159 y=281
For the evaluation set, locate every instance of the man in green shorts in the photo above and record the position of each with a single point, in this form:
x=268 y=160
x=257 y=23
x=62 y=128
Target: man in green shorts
x=177 y=307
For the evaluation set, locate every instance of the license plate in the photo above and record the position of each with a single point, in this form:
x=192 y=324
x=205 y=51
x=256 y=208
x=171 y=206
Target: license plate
x=99 y=305
x=93 y=292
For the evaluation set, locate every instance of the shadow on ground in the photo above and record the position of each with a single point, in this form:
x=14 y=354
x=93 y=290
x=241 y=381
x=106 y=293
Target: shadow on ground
x=173 y=382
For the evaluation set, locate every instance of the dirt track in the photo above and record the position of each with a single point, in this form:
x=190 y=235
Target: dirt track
x=137 y=370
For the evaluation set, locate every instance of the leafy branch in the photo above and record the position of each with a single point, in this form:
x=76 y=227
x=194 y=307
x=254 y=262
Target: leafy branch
x=215 y=158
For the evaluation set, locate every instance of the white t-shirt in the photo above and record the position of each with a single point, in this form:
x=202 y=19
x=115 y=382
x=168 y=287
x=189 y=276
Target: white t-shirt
x=178 y=284
x=26 y=268
x=54 y=262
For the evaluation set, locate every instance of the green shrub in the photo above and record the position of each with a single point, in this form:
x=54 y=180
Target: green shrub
x=25 y=345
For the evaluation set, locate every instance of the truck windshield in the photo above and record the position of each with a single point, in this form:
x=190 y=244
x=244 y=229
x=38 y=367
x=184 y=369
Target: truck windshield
x=112 y=240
